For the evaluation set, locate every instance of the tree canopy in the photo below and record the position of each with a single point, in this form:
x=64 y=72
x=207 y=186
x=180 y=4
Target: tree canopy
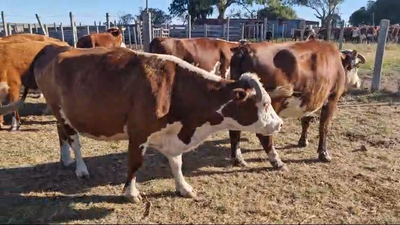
x=157 y=16
x=274 y=9
x=375 y=11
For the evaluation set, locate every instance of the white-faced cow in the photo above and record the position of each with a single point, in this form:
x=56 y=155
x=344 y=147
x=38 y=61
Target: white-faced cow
x=152 y=100
x=302 y=78
x=209 y=54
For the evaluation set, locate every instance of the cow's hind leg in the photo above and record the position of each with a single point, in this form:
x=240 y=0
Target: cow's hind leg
x=65 y=156
x=326 y=117
x=135 y=161
x=305 y=124
x=13 y=96
x=236 y=153
x=273 y=156
x=182 y=187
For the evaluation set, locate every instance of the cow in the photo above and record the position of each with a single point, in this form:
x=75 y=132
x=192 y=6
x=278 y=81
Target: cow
x=209 y=54
x=24 y=37
x=15 y=60
x=302 y=78
x=152 y=100
x=111 y=38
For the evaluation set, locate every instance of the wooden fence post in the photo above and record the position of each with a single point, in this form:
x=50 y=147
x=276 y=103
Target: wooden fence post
x=36 y=28
x=380 y=51
x=329 y=29
x=107 y=21
x=242 y=30
x=30 y=28
x=273 y=31
x=62 y=32
x=147 y=31
x=303 y=28
x=205 y=30
x=189 y=26
x=283 y=31
x=55 y=27
x=97 y=28
x=341 y=35
x=40 y=24
x=5 y=27
x=9 y=29
x=265 y=29
x=46 y=28
x=140 y=36
x=129 y=36
x=73 y=28
x=228 y=28
x=135 y=37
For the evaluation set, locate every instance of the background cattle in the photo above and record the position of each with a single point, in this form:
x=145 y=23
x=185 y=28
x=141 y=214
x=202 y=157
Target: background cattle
x=302 y=78
x=209 y=54
x=111 y=38
x=152 y=100
x=16 y=55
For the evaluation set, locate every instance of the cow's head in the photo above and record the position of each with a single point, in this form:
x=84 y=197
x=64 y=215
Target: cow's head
x=250 y=108
x=351 y=61
x=117 y=33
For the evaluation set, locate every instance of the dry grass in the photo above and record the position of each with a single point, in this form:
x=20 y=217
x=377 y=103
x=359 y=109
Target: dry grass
x=356 y=187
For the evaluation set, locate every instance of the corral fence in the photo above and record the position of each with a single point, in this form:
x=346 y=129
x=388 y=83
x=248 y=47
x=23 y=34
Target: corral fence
x=141 y=33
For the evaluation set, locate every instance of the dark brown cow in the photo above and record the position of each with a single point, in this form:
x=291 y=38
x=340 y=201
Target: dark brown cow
x=209 y=54
x=111 y=38
x=309 y=77
x=152 y=100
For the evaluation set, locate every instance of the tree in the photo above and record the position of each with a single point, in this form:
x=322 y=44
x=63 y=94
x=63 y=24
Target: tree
x=276 y=10
x=361 y=16
x=324 y=9
x=125 y=19
x=157 y=16
x=198 y=9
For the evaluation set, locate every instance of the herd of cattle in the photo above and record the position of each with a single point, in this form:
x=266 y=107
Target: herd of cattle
x=362 y=34
x=174 y=97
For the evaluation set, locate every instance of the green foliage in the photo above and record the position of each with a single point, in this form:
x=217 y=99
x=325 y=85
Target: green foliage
x=125 y=19
x=157 y=16
x=198 y=9
x=361 y=16
x=276 y=10
x=377 y=10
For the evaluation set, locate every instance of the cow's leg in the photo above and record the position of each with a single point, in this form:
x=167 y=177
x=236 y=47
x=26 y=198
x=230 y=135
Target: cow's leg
x=1 y=117
x=135 y=161
x=305 y=124
x=326 y=117
x=273 y=157
x=65 y=156
x=13 y=96
x=236 y=153
x=182 y=187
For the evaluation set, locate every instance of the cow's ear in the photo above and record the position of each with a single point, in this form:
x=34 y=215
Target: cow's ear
x=239 y=94
x=354 y=53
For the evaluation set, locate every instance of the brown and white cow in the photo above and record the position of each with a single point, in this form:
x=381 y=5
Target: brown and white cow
x=302 y=78
x=16 y=57
x=152 y=100
x=209 y=54
x=111 y=38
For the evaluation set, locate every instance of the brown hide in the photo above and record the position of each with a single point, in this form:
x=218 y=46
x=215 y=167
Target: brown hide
x=111 y=38
x=201 y=52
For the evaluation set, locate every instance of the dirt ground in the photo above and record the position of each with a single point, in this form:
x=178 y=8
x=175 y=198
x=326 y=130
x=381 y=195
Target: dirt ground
x=360 y=185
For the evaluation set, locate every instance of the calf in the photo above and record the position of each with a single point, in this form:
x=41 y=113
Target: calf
x=14 y=67
x=302 y=78
x=111 y=38
x=152 y=100
x=209 y=54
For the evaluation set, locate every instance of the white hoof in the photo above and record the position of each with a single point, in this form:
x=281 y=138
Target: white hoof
x=186 y=192
x=133 y=195
x=82 y=171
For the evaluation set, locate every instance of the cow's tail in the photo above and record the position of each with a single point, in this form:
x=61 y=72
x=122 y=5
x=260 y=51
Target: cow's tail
x=4 y=110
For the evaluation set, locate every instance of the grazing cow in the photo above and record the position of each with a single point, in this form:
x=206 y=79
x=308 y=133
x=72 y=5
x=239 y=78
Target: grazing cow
x=301 y=79
x=111 y=38
x=209 y=54
x=15 y=60
x=152 y=100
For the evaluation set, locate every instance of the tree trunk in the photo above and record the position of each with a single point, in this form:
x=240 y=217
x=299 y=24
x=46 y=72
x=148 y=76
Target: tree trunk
x=221 y=13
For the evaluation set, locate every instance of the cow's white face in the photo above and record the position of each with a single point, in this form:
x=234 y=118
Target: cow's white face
x=353 y=80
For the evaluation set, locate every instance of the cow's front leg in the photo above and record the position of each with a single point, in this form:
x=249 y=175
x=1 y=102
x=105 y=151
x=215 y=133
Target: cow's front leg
x=305 y=124
x=326 y=117
x=182 y=187
x=236 y=153
x=273 y=157
x=135 y=161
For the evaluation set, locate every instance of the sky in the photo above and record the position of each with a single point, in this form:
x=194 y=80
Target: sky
x=88 y=11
